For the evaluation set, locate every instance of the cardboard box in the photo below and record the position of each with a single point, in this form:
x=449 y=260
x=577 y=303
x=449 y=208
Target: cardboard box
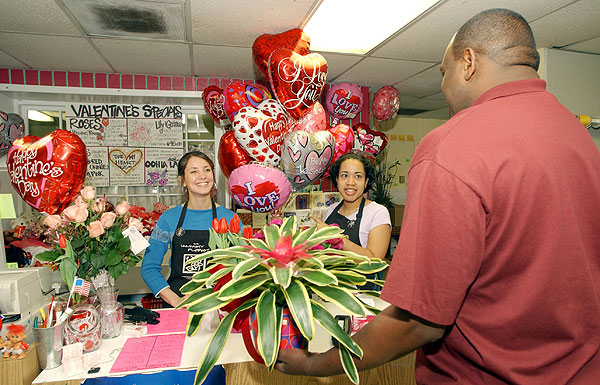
x=396 y=215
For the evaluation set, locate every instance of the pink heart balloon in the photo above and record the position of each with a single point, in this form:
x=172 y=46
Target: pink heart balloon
x=312 y=121
x=344 y=141
x=368 y=140
x=260 y=131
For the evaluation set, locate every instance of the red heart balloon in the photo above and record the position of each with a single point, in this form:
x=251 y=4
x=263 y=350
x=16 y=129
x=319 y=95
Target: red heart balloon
x=312 y=121
x=239 y=95
x=48 y=172
x=264 y=45
x=214 y=104
x=369 y=140
x=297 y=80
x=344 y=140
x=231 y=154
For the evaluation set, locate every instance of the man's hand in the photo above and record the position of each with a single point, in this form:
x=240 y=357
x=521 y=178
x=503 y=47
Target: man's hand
x=295 y=361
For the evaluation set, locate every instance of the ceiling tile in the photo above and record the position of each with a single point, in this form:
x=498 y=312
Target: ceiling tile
x=339 y=63
x=7 y=61
x=441 y=113
x=428 y=38
x=228 y=62
x=36 y=16
x=425 y=104
x=46 y=52
x=240 y=23
x=379 y=72
x=149 y=57
x=588 y=46
x=423 y=84
x=438 y=96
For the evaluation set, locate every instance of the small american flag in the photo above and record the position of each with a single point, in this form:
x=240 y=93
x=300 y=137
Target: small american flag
x=81 y=286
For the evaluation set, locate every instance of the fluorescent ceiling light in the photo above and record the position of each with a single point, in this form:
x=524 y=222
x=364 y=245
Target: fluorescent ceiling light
x=358 y=26
x=39 y=116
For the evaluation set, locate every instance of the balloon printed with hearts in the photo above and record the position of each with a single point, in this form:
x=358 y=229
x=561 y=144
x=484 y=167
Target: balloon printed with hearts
x=344 y=140
x=264 y=45
x=368 y=140
x=258 y=187
x=386 y=103
x=231 y=154
x=214 y=104
x=344 y=100
x=306 y=156
x=239 y=95
x=312 y=121
x=261 y=131
x=297 y=80
x=12 y=128
x=48 y=172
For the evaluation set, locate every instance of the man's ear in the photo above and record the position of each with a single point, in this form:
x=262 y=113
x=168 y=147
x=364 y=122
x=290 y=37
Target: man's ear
x=469 y=63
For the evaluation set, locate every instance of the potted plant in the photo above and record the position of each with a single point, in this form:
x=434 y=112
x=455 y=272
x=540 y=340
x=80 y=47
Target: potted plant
x=385 y=174
x=259 y=278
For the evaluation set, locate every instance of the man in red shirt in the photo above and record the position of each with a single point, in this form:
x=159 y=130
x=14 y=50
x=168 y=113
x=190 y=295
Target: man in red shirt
x=496 y=277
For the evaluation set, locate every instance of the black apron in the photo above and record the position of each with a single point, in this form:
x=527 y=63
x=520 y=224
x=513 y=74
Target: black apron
x=351 y=229
x=187 y=244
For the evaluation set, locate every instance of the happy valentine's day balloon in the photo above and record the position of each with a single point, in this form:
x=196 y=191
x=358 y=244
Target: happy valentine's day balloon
x=214 y=104
x=344 y=100
x=48 y=172
x=368 y=140
x=239 y=95
x=231 y=154
x=258 y=187
x=306 y=156
x=260 y=131
x=297 y=80
x=12 y=128
x=313 y=120
x=294 y=39
x=386 y=103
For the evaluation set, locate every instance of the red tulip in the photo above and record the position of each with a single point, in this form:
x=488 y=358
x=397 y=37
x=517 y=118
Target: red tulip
x=223 y=226
x=234 y=224
x=62 y=242
x=247 y=233
x=216 y=225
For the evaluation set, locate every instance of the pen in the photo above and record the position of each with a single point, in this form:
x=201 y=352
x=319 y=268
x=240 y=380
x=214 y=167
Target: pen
x=43 y=317
x=51 y=312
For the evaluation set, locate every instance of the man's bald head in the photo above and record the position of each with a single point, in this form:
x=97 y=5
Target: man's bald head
x=502 y=35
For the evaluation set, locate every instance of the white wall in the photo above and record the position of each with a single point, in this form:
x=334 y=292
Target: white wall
x=6 y=105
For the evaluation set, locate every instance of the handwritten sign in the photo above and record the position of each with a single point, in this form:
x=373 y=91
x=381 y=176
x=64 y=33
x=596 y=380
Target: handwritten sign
x=155 y=133
x=97 y=170
x=160 y=166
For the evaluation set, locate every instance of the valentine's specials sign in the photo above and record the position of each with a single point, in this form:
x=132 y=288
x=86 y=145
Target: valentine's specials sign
x=129 y=144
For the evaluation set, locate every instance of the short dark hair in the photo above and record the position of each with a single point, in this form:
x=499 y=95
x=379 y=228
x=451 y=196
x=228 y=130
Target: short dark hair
x=181 y=165
x=501 y=34
x=334 y=169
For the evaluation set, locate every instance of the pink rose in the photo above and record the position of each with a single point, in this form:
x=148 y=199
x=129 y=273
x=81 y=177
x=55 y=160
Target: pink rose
x=79 y=202
x=95 y=229
x=76 y=214
x=99 y=205
x=107 y=219
x=122 y=208
x=137 y=224
x=53 y=221
x=88 y=193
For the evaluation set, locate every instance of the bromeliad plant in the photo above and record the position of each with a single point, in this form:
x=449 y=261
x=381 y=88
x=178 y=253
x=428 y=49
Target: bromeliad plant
x=288 y=269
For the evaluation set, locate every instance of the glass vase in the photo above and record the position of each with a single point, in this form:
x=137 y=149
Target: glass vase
x=83 y=326
x=111 y=312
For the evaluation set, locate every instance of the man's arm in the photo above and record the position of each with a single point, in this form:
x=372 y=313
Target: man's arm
x=390 y=335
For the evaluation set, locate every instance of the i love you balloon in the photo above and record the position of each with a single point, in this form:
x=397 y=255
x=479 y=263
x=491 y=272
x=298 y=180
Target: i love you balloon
x=369 y=140
x=48 y=172
x=259 y=188
x=261 y=131
x=239 y=95
x=294 y=39
x=312 y=121
x=214 y=104
x=12 y=128
x=297 y=80
x=386 y=103
x=344 y=100
x=306 y=156
x=231 y=154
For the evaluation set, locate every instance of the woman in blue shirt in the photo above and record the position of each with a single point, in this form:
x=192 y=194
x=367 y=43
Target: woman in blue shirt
x=184 y=228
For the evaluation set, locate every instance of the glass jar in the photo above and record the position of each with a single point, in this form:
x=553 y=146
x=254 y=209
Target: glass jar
x=111 y=312
x=83 y=326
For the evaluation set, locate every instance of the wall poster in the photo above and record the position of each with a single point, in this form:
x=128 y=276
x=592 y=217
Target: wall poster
x=129 y=144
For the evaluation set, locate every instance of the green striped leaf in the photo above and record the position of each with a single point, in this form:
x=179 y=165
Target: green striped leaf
x=350 y=254
x=348 y=364
x=272 y=235
x=218 y=275
x=258 y=244
x=193 y=324
x=217 y=343
x=318 y=277
x=288 y=226
x=342 y=298
x=266 y=340
x=330 y=325
x=279 y=320
x=191 y=286
x=302 y=236
x=194 y=297
x=298 y=301
x=311 y=263
x=208 y=303
x=230 y=252
x=349 y=277
x=282 y=275
x=373 y=266
x=324 y=234
x=201 y=276
x=245 y=266
x=243 y=286
x=333 y=260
